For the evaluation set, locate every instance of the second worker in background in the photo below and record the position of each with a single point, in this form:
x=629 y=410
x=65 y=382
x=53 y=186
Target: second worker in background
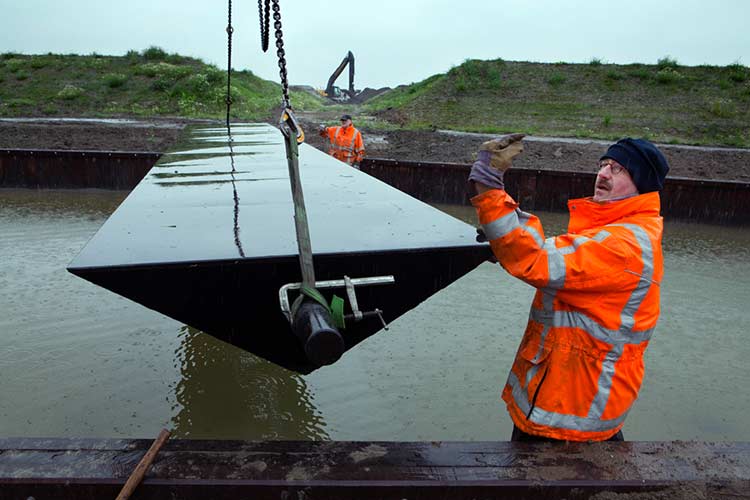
x=345 y=142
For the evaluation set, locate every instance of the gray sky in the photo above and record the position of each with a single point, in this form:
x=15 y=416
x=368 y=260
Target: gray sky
x=399 y=41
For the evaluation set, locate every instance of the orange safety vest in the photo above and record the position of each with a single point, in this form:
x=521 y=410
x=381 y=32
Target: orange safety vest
x=345 y=144
x=579 y=367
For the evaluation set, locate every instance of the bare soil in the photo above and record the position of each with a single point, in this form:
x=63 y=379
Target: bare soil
x=153 y=135
x=547 y=153
x=158 y=135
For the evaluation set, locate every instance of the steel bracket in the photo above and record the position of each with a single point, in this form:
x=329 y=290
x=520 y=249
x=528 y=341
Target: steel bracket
x=347 y=283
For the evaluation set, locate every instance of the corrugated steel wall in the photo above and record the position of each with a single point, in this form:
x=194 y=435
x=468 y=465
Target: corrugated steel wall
x=721 y=202
x=73 y=169
x=712 y=201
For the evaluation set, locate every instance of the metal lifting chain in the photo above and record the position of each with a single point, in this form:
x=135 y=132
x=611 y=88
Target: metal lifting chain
x=280 y=53
x=264 y=32
x=230 y=30
x=264 y=21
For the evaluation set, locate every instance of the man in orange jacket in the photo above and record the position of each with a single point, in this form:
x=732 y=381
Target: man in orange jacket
x=345 y=142
x=579 y=367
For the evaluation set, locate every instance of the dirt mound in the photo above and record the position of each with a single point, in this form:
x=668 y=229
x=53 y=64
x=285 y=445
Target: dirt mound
x=305 y=88
x=368 y=93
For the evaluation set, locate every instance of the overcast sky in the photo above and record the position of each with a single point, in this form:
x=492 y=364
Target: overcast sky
x=393 y=41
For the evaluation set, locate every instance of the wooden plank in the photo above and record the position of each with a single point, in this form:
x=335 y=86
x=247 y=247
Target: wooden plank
x=225 y=469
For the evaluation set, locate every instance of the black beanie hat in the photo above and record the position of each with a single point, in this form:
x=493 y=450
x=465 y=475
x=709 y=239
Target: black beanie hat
x=645 y=163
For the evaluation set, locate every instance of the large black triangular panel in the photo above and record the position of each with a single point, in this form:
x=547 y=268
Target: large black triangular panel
x=208 y=238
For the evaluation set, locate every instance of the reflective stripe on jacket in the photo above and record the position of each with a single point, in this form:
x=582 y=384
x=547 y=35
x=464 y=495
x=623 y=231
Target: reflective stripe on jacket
x=345 y=144
x=579 y=367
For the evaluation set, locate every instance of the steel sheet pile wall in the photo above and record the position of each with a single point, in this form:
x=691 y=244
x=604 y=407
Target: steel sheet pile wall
x=73 y=169
x=722 y=202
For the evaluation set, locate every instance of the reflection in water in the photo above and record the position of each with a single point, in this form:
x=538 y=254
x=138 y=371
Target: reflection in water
x=76 y=360
x=699 y=350
x=215 y=182
x=703 y=241
x=187 y=159
x=176 y=174
x=228 y=393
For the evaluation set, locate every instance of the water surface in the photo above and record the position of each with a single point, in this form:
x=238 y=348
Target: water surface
x=77 y=360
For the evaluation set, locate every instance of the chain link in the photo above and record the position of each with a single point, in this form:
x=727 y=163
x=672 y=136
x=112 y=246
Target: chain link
x=264 y=22
x=280 y=53
x=230 y=30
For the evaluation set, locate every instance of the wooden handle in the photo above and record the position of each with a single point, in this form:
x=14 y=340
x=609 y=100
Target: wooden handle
x=140 y=470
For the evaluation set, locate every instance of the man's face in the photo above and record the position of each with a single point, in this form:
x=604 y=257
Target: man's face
x=613 y=182
x=346 y=123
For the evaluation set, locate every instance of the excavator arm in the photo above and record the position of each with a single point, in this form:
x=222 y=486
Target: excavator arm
x=349 y=59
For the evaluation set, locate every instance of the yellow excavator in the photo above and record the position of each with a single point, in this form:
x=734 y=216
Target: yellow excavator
x=336 y=93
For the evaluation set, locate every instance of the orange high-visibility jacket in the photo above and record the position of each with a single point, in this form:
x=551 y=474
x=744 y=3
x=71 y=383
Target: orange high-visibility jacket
x=579 y=367
x=345 y=144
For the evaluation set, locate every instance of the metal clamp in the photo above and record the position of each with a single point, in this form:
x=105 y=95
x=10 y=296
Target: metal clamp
x=288 y=123
x=349 y=284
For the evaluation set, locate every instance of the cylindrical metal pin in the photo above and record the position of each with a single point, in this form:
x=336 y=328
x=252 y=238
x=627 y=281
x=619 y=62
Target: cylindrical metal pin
x=313 y=325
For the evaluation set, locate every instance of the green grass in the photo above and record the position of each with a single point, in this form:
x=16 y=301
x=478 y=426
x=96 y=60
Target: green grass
x=556 y=79
x=405 y=94
x=146 y=83
x=668 y=76
x=665 y=102
x=114 y=80
x=667 y=62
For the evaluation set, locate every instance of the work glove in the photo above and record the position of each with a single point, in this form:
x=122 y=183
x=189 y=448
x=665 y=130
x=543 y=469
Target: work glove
x=322 y=131
x=494 y=158
x=499 y=153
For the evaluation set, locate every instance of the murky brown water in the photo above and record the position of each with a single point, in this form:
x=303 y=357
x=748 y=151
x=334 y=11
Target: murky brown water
x=76 y=360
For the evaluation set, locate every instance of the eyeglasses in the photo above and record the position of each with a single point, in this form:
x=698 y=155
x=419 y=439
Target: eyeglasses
x=614 y=167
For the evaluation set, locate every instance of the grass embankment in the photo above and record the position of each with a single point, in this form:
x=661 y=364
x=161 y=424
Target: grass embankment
x=666 y=102
x=148 y=83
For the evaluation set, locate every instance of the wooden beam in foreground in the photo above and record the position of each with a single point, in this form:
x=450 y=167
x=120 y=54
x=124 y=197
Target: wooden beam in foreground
x=91 y=468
